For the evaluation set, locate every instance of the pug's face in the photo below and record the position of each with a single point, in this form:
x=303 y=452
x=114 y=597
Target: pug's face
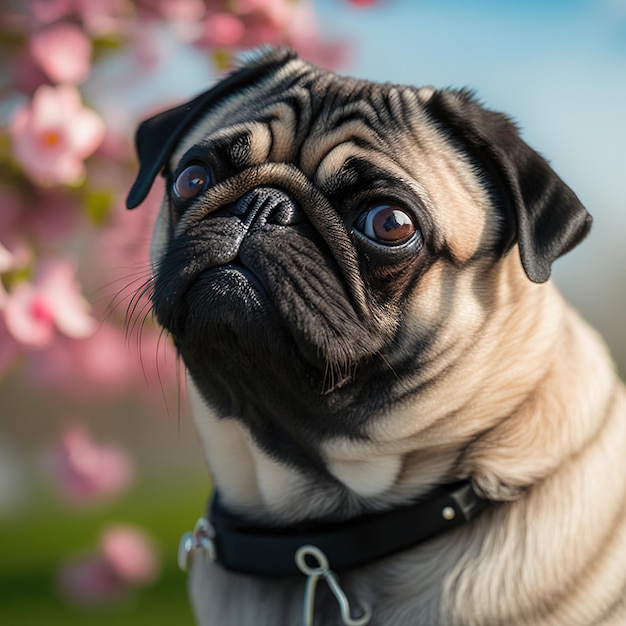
x=327 y=247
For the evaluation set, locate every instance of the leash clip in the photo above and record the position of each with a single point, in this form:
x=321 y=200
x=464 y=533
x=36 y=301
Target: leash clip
x=323 y=570
x=200 y=540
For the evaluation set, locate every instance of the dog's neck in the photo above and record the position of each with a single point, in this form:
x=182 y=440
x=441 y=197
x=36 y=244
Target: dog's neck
x=254 y=483
x=358 y=479
x=376 y=473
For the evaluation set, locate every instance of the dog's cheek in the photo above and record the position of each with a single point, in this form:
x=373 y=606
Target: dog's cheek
x=312 y=300
x=392 y=284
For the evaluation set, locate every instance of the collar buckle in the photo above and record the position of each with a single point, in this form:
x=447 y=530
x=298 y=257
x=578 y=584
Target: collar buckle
x=201 y=540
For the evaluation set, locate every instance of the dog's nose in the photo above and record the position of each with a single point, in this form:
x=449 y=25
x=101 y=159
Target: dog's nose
x=267 y=205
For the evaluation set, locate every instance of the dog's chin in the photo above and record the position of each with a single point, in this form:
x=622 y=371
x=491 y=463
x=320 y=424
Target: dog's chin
x=226 y=321
x=230 y=337
x=248 y=358
x=233 y=321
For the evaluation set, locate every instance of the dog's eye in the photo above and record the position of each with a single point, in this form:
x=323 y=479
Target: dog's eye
x=192 y=181
x=388 y=224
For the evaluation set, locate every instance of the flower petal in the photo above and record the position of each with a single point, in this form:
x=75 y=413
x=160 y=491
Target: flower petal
x=63 y=51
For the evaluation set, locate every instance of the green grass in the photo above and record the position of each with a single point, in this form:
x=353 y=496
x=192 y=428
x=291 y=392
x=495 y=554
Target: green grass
x=33 y=544
x=29 y=600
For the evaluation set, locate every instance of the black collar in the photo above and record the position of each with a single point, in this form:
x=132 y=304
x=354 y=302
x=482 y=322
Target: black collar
x=265 y=551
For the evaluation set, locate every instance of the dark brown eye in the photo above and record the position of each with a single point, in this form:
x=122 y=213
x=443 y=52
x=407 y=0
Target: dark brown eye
x=388 y=224
x=192 y=181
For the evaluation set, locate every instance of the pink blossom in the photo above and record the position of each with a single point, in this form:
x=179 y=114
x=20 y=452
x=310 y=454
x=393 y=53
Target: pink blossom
x=106 y=363
x=126 y=559
x=98 y=16
x=86 y=471
x=89 y=581
x=277 y=12
x=103 y=16
x=131 y=554
x=247 y=24
x=95 y=367
x=256 y=22
x=224 y=29
x=123 y=253
x=35 y=311
x=102 y=362
x=146 y=52
x=123 y=256
x=7 y=263
x=53 y=135
x=190 y=10
x=63 y=52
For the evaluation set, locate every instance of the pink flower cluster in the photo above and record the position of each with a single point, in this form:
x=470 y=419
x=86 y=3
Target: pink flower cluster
x=36 y=310
x=226 y=26
x=68 y=172
x=125 y=558
x=74 y=270
x=54 y=134
x=86 y=472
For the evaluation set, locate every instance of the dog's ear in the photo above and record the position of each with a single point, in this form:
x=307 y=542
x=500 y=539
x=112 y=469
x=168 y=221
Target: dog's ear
x=547 y=218
x=158 y=136
x=154 y=142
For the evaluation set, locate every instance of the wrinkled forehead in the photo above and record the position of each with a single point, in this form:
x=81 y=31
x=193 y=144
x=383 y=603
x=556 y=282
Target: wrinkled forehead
x=301 y=119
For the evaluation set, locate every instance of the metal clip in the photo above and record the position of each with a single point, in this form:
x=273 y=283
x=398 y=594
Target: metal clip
x=323 y=571
x=200 y=540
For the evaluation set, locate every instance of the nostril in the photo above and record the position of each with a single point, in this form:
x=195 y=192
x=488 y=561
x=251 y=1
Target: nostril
x=285 y=214
x=268 y=205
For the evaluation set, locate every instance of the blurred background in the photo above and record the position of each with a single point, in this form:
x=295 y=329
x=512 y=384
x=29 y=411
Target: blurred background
x=100 y=471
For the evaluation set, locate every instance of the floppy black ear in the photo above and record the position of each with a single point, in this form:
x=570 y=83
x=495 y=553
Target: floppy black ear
x=158 y=136
x=548 y=219
x=155 y=140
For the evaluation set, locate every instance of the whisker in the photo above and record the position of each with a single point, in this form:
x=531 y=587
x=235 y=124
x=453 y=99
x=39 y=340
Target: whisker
x=388 y=365
x=179 y=386
x=336 y=375
x=138 y=305
x=162 y=346
x=116 y=298
x=139 y=317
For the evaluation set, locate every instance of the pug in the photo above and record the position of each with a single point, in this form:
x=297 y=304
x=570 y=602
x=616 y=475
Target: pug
x=403 y=420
